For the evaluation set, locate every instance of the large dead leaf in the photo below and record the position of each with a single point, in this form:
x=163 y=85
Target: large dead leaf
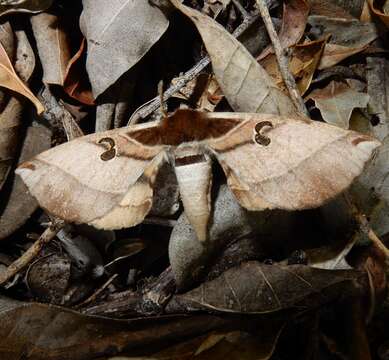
x=347 y=37
x=49 y=332
x=53 y=47
x=337 y=101
x=377 y=76
x=26 y=6
x=10 y=80
x=293 y=25
x=125 y=31
x=266 y=288
x=243 y=81
x=11 y=115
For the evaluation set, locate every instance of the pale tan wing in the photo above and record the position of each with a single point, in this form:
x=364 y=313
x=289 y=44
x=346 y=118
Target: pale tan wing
x=77 y=183
x=305 y=164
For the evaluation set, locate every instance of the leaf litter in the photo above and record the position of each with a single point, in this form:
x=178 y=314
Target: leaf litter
x=223 y=223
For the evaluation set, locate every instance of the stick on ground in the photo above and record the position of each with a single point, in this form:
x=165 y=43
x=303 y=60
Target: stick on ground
x=282 y=60
x=23 y=261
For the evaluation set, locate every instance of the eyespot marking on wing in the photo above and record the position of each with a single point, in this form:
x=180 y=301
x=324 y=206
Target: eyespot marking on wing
x=111 y=152
x=259 y=138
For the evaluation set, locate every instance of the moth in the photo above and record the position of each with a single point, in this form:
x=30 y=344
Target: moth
x=106 y=179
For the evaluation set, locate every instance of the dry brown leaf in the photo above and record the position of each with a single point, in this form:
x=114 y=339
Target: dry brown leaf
x=293 y=25
x=265 y=289
x=334 y=54
x=302 y=164
x=53 y=47
x=110 y=33
x=10 y=80
x=24 y=6
x=20 y=204
x=384 y=17
x=245 y=84
x=11 y=115
x=337 y=101
x=347 y=37
x=77 y=83
x=57 y=333
x=303 y=63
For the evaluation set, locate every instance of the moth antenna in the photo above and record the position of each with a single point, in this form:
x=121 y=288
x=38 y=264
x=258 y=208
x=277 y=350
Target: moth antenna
x=160 y=93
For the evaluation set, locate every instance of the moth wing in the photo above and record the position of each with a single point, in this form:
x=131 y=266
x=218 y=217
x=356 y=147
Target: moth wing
x=76 y=183
x=305 y=164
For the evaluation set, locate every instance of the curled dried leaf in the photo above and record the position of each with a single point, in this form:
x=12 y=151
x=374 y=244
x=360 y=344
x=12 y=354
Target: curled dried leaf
x=10 y=80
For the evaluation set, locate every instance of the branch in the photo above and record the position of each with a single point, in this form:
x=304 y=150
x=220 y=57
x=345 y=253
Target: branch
x=32 y=252
x=282 y=60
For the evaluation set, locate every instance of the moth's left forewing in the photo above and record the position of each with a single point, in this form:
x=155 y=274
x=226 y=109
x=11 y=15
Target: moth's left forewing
x=104 y=179
x=289 y=163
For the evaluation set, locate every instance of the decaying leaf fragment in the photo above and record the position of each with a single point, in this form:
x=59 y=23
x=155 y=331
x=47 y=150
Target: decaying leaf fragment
x=337 y=101
x=125 y=31
x=107 y=179
x=10 y=80
x=246 y=85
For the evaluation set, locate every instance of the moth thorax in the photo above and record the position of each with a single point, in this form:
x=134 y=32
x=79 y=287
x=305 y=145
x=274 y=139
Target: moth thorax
x=194 y=177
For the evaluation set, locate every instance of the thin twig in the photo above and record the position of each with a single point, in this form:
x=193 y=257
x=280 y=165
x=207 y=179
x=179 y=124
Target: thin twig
x=152 y=105
x=96 y=294
x=364 y=225
x=282 y=60
x=32 y=252
x=241 y=9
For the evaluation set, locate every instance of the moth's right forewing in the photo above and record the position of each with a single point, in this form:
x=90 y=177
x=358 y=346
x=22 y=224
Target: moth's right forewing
x=289 y=163
x=77 y=183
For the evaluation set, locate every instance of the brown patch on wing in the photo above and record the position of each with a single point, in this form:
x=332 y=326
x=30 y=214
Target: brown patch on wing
x=360 y=139
x=184 y=126
x=27 y=165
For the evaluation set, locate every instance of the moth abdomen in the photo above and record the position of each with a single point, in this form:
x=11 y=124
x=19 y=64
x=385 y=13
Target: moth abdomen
x=194 y=177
